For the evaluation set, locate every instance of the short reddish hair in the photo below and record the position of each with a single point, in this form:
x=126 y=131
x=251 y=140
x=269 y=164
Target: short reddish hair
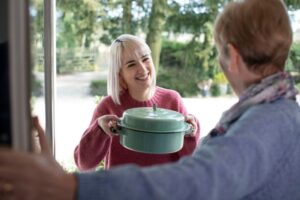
x=259 y=29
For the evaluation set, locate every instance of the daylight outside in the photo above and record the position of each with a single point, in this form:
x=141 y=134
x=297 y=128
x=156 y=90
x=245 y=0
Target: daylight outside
x=179 y=34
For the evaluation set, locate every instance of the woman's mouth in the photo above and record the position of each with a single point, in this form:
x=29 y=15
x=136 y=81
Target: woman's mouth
x=142 y=78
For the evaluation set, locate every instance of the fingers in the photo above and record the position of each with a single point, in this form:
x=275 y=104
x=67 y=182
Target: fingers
x=113 y=126
x=45 y=148
x=108 y=124
x=189 y=118
x=192 y=121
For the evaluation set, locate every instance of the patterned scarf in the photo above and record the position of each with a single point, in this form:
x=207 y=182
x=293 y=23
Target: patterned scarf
x=270 y=89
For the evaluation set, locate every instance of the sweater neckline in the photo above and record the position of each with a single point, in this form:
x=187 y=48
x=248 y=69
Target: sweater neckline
x=126 y=98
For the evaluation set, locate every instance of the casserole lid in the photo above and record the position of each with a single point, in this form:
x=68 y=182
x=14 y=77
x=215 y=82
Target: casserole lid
x=153 y=119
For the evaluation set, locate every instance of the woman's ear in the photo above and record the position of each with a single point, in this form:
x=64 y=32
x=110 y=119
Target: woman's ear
x=234 y=59
x=122 y=83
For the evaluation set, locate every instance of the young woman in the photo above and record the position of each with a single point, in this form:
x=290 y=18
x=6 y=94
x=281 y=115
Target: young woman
x=131 y=83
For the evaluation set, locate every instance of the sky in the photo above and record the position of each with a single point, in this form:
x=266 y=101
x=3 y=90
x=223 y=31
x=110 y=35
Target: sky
x=295 y=19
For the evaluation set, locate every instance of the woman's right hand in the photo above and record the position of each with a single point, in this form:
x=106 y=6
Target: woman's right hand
x=108 y=123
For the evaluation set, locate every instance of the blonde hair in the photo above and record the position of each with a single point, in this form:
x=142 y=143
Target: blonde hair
x=259 y=29
x=124 y=43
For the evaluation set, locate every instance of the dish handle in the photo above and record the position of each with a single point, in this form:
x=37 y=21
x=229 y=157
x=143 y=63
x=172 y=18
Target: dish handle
x=190 y=129
x=117 y=131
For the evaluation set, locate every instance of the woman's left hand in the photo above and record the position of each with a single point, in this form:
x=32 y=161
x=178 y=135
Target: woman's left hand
x=192 y=121
x=33 y=176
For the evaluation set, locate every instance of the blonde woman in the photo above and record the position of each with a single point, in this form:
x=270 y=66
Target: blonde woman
x=131 y=83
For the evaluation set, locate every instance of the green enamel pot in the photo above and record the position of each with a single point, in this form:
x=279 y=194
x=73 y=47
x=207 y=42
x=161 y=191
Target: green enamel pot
x=152 y=130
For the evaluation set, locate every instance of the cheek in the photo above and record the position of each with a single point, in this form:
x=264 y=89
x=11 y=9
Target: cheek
x=152 y=67
x=126 y=74
x=222 y=64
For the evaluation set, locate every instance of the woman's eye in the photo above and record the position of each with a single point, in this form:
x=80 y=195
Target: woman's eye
x=130 y=65
x=145 y=59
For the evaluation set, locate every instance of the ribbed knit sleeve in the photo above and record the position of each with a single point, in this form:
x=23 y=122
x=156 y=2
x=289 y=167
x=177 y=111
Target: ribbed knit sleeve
x=94 y=143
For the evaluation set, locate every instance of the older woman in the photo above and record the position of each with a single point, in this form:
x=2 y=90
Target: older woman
x=252 y=153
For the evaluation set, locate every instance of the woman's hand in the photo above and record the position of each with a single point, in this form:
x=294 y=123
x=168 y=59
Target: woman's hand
x=108 y=123
x=40 y=144
x=34 y=176
x=192 y=121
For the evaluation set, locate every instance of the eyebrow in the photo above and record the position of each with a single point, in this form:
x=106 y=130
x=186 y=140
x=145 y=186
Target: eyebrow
x=129 y=62
x=132 y=61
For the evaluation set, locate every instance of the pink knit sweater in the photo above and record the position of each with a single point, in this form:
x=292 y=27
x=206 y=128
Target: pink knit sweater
x=95 y=145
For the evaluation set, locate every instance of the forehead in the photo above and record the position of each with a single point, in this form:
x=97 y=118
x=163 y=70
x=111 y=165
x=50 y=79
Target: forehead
x=134 y=52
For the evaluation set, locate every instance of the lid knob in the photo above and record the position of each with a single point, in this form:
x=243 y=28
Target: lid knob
x=154 y=107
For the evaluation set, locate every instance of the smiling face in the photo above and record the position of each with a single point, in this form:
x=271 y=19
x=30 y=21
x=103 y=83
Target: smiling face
x=137 y=72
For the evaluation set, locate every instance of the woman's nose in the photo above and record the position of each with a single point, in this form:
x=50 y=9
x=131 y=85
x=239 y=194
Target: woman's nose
x=143 y=67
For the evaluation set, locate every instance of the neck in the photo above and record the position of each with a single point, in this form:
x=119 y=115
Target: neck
x=248 y=78
x=254 y=78
x=144 y=95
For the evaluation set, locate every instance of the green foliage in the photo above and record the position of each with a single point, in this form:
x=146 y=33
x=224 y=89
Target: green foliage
x=171 y=54
x=186 y=63
x=36 y=86
x=191 y=17
x=100 y=166
x=77 y=22
x=220 y=78
x=69 y=165
x=215 y=90
x=98 y=88
x=181 y=80
x=188 y=55
x=37 y=21
x=295 y=56
x=292 y=4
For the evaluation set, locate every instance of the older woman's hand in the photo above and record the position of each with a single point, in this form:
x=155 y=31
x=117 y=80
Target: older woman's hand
x=34 y=176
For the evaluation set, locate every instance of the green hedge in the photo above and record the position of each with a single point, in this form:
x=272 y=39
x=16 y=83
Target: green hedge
x=181 y=80
x=36 y=86
x=98 y=88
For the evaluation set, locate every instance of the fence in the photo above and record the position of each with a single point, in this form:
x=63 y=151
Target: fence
x=70 y=60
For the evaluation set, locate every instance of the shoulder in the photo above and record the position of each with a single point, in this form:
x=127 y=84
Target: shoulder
x=105 y=103
x=281 y=109
x=169 y=99
x=167 y=92
x=276 y=118
x=106 y=100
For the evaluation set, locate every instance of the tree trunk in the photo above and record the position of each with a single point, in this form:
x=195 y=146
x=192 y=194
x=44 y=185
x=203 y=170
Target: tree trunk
x=156 y=24
x=127 y=17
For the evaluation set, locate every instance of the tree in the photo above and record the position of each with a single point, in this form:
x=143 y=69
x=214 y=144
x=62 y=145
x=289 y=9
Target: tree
x=37 y=18
x=195 y=20
x=77 y=22
x=156 y=25
x=292 y=4
x=127 y=17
